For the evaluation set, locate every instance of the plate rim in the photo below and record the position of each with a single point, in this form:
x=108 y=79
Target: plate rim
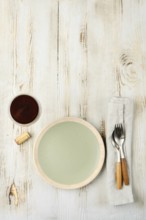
x=93 y=175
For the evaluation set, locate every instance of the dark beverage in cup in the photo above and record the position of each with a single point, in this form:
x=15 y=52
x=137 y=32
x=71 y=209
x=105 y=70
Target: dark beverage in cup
x=24 y=109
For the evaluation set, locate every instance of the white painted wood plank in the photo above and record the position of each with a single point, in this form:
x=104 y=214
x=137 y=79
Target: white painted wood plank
x=71 y=18
x=42 y=199
x=9 y=131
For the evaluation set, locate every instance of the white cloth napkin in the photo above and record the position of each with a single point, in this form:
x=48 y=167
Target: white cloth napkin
x=120 y=110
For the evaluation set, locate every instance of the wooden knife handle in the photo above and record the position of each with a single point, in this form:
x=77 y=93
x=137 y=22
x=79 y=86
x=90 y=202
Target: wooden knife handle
x=125 y=171
x=118 y=175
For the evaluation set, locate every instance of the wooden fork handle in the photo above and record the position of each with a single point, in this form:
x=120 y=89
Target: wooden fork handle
x=118 y=175
x=125 y=171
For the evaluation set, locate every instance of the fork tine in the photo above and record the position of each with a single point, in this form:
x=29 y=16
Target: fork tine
x=122 y=129
x=117 y=130
x=118 y=126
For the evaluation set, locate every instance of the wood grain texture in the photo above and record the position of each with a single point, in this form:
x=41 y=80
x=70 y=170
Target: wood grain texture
x=119 y=178
x=125 y=171
x=72 y=56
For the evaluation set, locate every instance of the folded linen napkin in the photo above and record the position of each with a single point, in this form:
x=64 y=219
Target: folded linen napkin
x=120 y=110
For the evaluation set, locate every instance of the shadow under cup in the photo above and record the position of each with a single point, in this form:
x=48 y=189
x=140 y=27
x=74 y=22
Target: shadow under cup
x=24 y=109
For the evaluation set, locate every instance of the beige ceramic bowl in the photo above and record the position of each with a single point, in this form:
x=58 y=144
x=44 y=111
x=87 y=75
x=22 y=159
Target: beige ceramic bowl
x=69 y=153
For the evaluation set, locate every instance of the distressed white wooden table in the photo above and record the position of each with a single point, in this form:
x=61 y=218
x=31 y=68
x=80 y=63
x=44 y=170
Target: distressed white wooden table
x=73 y=56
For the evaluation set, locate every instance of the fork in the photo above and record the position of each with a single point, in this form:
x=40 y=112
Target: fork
x=118 y=164
x=119 y=135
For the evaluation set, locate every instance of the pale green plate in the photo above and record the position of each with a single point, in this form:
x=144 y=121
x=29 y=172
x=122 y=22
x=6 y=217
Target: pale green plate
x=69 y=153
